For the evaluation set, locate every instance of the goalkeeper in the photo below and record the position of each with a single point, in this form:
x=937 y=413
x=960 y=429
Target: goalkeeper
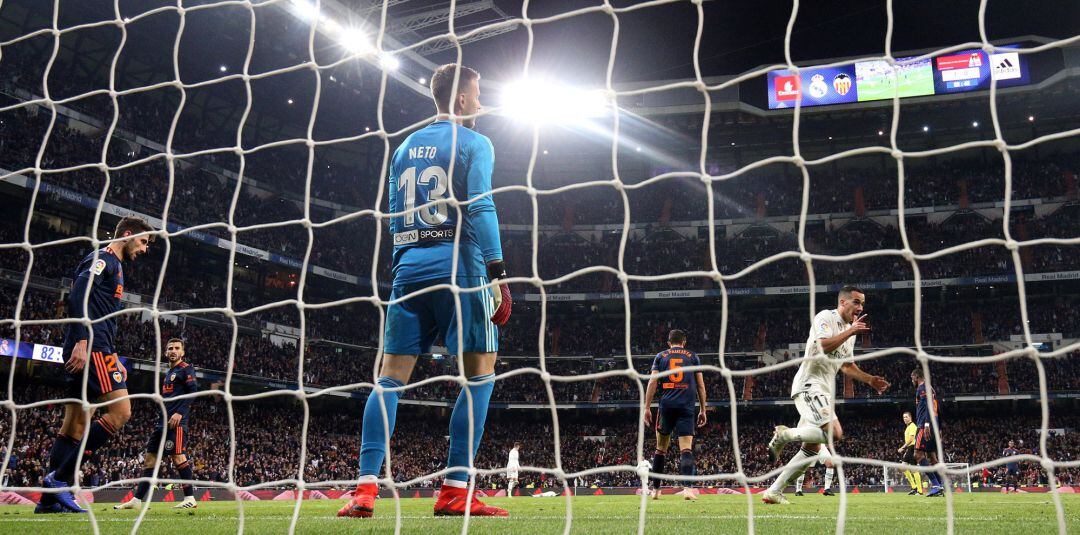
x=445 y=160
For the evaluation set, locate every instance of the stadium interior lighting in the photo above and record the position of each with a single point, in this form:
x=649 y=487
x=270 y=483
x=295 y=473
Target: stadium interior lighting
x=880 y=133
x=1031 y=118
x=545 y=151
x=223 y=68
x=389 y=62
x=638 y=149
x=290 y=101
x=975 y=124
x=354 y=40
x=306 y=10
x=925 y=128
x=421 y=80
x=541 y=102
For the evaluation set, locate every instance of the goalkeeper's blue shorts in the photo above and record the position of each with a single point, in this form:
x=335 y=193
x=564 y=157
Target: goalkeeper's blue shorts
x=413 y=325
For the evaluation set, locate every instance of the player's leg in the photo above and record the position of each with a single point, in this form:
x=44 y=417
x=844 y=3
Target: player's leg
x=817 y=422
x=184 y=468
x=66 y=443
x=477 y=339
x=799 y=482
x=100 y=431
x=686 y=462
x=830 y=470
x=811 y=416
x=659 y=458
x=470 y=410
x=410 y=330
x=511 y=482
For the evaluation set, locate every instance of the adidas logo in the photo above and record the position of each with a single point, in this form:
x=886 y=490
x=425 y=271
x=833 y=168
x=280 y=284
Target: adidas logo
x=1005 y=66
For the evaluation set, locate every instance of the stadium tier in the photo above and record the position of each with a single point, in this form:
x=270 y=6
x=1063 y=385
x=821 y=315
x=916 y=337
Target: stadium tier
x=293 y=250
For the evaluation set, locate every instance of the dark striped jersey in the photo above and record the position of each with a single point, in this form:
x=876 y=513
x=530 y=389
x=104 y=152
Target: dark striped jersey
x=103 y=279
x=678 y=389
x=922 y=406
x=179 y=380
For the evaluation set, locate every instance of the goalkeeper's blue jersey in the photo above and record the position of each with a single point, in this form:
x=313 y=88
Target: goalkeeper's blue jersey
x=424 y=237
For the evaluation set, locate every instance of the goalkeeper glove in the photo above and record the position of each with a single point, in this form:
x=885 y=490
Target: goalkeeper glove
x=500 y=292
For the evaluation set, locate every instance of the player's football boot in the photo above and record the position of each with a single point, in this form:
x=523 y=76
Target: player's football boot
x=913 y=492
x=689 y=494
x=774 y=498
x=827 y=492
x=452 y=502
x=656 y=493
x=65 y=498
x=133 y=503
x=777 y=442
x=935 y=491
x=798 y=493
x=43 y=508
x=362 y=504
x=188 y=503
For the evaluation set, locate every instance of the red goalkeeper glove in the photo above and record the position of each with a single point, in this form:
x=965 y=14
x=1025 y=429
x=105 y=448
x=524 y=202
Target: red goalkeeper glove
x=500 y=292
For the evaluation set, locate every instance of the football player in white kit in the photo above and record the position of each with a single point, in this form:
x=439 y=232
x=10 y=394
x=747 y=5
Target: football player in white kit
x=512 y=467
x=832 y=339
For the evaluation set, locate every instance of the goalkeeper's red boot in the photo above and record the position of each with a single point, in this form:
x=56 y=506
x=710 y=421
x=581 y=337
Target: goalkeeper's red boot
x=452 y=502
x=362 y=504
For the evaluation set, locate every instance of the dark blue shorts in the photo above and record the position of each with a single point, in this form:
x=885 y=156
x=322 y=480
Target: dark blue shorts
x=105 y=374
x=175 y=440
x=680 y=421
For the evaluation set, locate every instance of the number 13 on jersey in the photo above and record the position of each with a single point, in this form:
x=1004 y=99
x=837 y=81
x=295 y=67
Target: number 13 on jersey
x=432 y=184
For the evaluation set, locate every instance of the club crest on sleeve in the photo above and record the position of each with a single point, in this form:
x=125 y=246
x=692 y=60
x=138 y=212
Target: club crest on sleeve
x=99 y=266
x=117 y=376
x=169 y=444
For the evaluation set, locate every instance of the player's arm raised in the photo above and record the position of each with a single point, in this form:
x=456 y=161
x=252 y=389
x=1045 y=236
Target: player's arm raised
x=876 y=382
x=857 y=327
x=486 y=222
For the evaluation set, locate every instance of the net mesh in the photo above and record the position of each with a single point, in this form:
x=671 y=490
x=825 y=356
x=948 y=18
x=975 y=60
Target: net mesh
x=172 y=158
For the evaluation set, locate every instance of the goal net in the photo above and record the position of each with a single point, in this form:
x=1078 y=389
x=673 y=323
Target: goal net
x=893 y=478
x=311 y=207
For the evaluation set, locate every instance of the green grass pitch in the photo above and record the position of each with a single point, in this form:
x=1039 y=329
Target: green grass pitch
x=916 y=83
x=982 y=513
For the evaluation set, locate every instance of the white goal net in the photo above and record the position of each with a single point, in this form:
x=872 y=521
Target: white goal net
x=327 y=25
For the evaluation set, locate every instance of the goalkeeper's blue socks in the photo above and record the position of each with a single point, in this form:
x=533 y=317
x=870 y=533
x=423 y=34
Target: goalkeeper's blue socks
x=373 y=436
x=459 y=428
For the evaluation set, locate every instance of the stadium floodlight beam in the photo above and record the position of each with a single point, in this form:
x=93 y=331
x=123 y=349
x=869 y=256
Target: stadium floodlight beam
x=540 y=102
x=354 y=40
x=389 y=62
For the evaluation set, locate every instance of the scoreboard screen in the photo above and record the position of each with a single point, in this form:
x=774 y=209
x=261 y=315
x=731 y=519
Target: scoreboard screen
x=864 y=81
x=973 y=70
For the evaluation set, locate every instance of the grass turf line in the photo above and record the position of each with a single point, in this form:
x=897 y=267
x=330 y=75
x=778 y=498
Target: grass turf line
x=983 y=513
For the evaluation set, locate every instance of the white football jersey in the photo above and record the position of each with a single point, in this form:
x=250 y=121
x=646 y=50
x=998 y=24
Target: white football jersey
x=819 y=372
x=512 y=460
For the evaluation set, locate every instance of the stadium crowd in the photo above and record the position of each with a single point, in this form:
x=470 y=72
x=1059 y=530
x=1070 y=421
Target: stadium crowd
x=268 y=434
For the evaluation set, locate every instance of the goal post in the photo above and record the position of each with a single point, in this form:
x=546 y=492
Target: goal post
x=893 y=478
